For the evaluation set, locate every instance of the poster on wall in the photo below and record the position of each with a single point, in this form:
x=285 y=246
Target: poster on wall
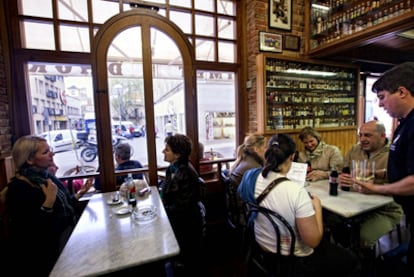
x=280 y=14
x=270 y=42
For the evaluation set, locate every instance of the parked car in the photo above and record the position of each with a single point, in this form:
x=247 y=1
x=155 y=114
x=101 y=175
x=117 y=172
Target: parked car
x=125 y=129
x=139 y=131
x=61 y=140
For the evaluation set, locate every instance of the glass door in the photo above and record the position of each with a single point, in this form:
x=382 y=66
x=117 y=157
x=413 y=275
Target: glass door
x=144 y=79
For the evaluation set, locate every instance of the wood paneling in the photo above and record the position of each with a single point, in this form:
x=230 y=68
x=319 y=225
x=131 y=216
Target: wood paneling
x=343 y=138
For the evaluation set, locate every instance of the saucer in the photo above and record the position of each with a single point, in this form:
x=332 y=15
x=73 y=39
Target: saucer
x=123 y=211
x=112 y=203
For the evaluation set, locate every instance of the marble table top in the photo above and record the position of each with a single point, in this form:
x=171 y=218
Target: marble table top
x=104 y=242
x=348 y=203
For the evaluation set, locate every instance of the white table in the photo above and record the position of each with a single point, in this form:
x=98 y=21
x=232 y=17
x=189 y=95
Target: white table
x=104 y=242
x=347 y=203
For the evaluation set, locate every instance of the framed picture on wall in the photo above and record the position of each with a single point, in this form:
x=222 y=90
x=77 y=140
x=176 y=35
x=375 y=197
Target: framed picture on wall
x=270 y=42
x=291 y=42
x=280 y=14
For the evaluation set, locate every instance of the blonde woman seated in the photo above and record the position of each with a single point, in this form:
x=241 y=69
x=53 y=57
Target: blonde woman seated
x=322 y=156
x=250 y=154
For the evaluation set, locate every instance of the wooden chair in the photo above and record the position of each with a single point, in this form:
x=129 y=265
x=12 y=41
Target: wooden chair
x=263 y=263
x=234 y=208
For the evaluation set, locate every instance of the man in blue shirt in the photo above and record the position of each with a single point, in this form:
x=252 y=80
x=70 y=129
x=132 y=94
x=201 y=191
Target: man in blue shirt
x=123 y=161
x=395 y=92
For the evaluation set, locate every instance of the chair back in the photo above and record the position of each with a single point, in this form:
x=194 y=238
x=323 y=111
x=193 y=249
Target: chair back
x=270 y=264
x=234 y=209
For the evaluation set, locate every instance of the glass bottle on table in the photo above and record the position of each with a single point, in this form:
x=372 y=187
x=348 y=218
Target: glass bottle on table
x=333 y=182
x=308 y=170
x=131 y=191
x=346 y=170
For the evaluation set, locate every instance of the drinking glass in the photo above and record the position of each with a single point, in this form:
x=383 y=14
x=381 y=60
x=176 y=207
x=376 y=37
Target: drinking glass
x=369 y=175
x=358 y=169
x=363 y=170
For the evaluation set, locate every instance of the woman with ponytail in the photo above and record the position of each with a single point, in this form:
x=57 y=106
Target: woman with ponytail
x=314 y=256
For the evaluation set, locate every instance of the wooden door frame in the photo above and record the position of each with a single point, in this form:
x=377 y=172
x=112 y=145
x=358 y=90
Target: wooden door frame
x=146 y=20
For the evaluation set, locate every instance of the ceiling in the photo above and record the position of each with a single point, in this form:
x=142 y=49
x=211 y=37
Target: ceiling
x=378 y=54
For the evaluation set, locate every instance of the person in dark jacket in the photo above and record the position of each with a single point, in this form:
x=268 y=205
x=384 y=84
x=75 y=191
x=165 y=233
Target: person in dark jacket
x=180 y=193
x=39 y=208
x=123 y=161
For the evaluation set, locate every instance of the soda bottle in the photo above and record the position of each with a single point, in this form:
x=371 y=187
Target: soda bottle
x=333 y=182
x=346 y=170
x=309 y=168
x=131 y=191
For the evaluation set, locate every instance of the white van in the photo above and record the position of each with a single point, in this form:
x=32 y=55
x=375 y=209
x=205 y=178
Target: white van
x=61 y=140
x=125 y=129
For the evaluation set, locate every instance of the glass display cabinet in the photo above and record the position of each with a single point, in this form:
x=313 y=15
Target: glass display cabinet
x=292 y=94
x=332 y=20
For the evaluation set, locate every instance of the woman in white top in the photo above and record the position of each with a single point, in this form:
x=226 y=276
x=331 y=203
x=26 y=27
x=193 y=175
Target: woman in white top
x=314 y=255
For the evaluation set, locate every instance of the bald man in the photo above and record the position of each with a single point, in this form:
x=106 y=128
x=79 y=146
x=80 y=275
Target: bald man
x=373 y=146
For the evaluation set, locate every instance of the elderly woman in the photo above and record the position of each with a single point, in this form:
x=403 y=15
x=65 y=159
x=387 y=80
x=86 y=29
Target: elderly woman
x=322 y=156
x=181 y=197
x=39 y=208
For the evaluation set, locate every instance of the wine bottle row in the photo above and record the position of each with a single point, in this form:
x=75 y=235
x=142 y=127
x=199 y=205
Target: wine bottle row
x=307 y=70
x=299 y=97
x=280 y=123
x=342 y=18
x=282 y=83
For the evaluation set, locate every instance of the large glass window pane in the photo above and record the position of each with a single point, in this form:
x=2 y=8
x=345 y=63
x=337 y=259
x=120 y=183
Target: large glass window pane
x=103 y=10
x=126 y=92
x=168 y=88
x=217 y=112
x=205 y=25
x=206 y=5
x=227 y=7
x=205 y=50
x=227 y=28
x=182 y=19
x=181 y=3
x=41 y=8
x=63 y=112
x=227 y=52
x=38 y=35
x=74 y=39
x=373 y=110
x=76 y=10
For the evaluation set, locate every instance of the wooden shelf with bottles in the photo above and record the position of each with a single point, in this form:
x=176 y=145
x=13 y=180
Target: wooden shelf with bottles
x=293 y=93
x=338 y=25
